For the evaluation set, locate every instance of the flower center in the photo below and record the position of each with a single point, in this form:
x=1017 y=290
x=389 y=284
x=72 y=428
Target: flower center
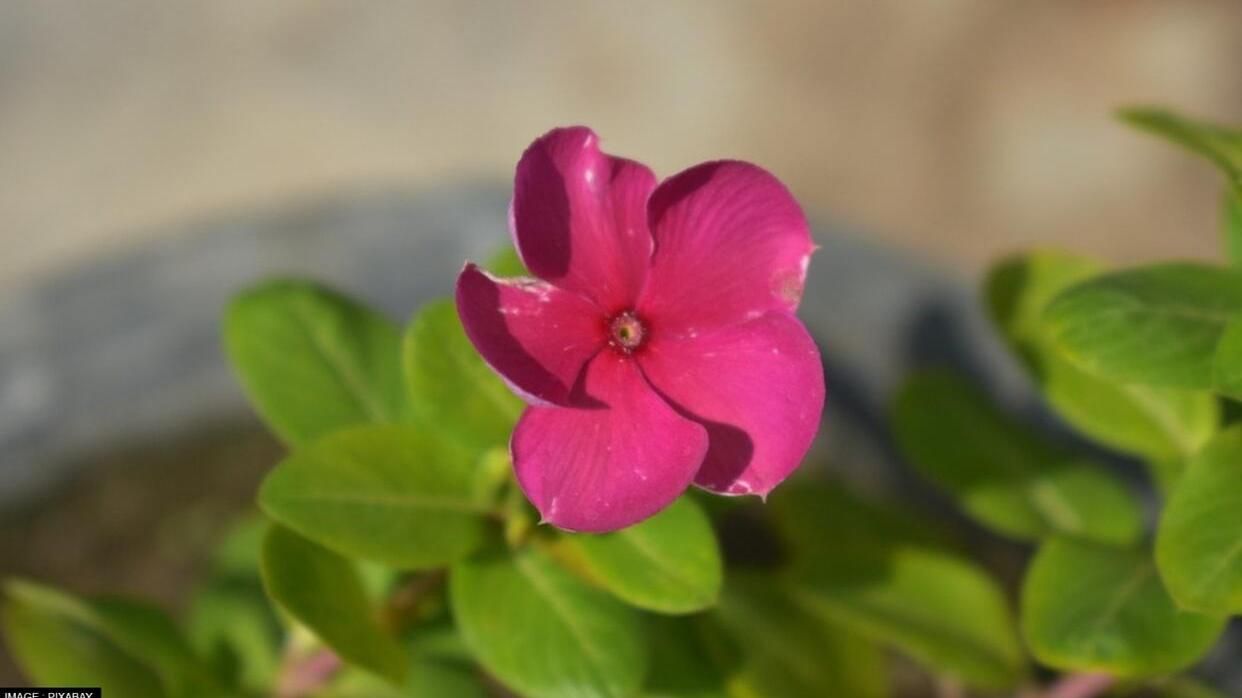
x=627 y=332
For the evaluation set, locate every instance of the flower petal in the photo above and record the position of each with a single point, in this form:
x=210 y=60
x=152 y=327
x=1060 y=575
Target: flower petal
x=602 y=469
x=579 y=217
x=730 y=244
x=758 y=387
x=535 y=335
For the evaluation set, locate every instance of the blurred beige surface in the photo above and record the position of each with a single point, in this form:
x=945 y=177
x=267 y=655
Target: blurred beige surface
x=960 y=128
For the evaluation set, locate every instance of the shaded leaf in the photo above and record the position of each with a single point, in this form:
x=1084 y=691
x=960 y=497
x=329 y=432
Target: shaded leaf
x=312 y=360
x=669 y=563
x=543 y=632
x=883 y=575
x=400 y=495
x=1090 y=607
x=449 y=386
x=1199 y=543
x=788 y=650
x=233 y=627
x=324 y=592
x=424 y=679
x=1156 y=423
x=1004 y=475
x=686 y=658
x=1157 y=325
x=231 y=623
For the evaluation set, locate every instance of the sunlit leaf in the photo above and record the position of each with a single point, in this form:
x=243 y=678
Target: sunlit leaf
x=542 y=631
x=449 y=386
x=1091 y=607
x=1199 y=545
x=669 y=563
x=402 y=495
x=312 y=360
x=1157 y=325
x=1156 y=423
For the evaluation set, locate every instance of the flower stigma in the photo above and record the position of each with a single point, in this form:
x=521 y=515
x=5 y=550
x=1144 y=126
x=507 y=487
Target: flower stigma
x=626 y=332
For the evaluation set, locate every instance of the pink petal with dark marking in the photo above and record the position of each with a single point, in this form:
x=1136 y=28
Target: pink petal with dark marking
x=602 y=469
x=579 y=217
x=535 y=335
x=758 y=388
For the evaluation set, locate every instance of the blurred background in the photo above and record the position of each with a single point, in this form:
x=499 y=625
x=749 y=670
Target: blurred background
x=958 y=128
x=147 y=146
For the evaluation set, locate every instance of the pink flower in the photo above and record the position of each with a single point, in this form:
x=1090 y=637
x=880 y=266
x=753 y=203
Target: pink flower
x=658 y=346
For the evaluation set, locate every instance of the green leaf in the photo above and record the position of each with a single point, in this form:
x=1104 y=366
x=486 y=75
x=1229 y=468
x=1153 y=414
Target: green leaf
x=790 y=650
x=56 y=641
x=1181 y=687
x=883 y=575
x=1199 y=544
x=1155 y=423
x=1231 y=224
x=424 y=679
x=1157 y=325
x=231 y=623
x=1090 y=607
x=1220 y=144
x=669 y=563
x=449 y=386
x=1228 y=361
x=324 y=592
x=233 y=627
x=1004 y=475
x=543 y=632
x=399 y=495
x=690 y=658
x=61 y=639
x=313 y=361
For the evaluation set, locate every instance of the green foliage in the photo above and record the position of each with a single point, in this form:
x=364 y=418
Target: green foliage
x=1231 y=225
x=1157 y=325
x=314 y=361
x=424 y=679
x=231 y=624
x=449 y=386
x=324 y=592
x=1220 y=144
x=1156 y=423
x=401 y=495
x=669 y=563
x=1091 y=607
x=691 y=657
x=882 y=575
x=790 y=650
x=1199 y=546
x=543 y=632
x=126 y=647
x=1004 y=475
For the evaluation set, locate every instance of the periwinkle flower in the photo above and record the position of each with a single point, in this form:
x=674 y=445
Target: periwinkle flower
x=658 y=346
